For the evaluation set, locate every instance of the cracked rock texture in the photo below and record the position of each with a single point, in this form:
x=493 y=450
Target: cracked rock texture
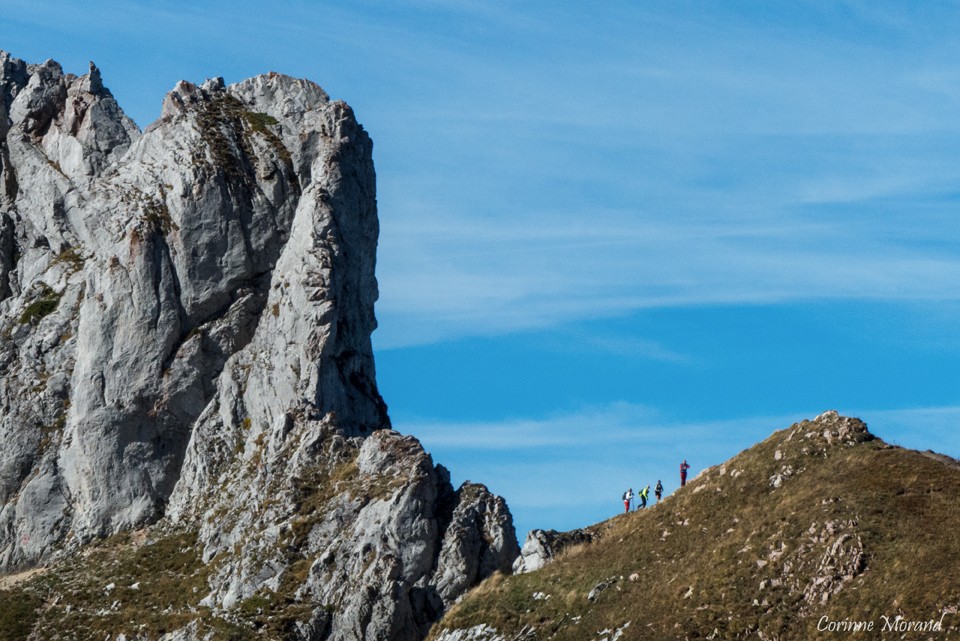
x=185 y=321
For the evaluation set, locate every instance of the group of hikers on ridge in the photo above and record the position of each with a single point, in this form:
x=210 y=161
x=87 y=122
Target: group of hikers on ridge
x=644 y=494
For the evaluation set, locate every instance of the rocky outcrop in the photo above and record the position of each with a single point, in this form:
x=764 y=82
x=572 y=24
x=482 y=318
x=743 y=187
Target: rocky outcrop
x=185 y=335
x=479 y=541
x=366 y=531
x=482 y=632
x=542 y=546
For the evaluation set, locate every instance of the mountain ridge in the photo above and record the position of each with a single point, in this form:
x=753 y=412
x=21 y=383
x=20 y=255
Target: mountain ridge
x=819 y=524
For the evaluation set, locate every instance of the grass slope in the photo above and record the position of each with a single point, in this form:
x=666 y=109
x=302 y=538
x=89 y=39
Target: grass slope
x=142 y=586
x=821 y=519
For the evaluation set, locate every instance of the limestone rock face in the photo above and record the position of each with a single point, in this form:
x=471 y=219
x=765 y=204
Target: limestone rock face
x=479 y=541
x=541 y=546
x=185 y=321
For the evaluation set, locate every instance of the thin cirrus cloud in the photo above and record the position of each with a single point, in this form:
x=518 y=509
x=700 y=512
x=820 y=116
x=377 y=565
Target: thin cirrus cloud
x=566 y=470
x=618 y=423
x=611 y=425
x=544 y=163
x=735 y=178
x=617 y=214
x=441 y=285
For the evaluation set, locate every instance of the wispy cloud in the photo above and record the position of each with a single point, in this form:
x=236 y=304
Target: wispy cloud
x=455 y=280
x=570 y=212
x=608 y=425
x=565 y=470
x=543 y=163
x=615 y=424
x=664 y=174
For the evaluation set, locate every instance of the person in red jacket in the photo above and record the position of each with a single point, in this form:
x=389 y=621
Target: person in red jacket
x=683 y=472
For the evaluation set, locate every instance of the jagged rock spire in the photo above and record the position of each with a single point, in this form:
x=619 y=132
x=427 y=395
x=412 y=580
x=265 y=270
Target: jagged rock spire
x=185 y=338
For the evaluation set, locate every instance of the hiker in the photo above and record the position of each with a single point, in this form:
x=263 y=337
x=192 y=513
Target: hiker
x=683 y=472
x=643 y=494
x=658 y=490
x=627 y=497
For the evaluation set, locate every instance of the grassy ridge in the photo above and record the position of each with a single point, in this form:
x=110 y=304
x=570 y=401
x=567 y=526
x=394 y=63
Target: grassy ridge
x=854 y=529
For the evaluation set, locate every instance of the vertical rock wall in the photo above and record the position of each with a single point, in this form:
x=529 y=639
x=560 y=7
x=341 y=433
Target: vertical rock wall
x=185 y=335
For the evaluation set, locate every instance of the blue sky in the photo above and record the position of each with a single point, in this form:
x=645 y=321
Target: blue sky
x=615 y=235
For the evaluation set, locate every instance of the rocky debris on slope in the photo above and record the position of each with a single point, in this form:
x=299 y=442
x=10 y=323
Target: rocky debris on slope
x=185 y=335
x=825 y=431
x=816 y=437
x=843 y=559
x=844 y=430
x=485 y=632
x=482 y=632
x=831 y=554
x=613 y=634
x=601 y=587
x=542 y=546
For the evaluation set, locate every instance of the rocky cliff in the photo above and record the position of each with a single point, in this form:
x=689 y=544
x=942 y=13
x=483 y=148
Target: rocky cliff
x=185 y=347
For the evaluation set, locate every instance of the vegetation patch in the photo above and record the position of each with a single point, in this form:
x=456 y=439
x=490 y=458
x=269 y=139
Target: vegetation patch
x=157 y=215
x=273 y=615
x=49 y=433
x=320 y=484
x=154 y=212
x=44 y=305
x=259 y=121
x=121 y=587
x=19 y=611
x=220 y=120
x=226 y=126
x=70 y=258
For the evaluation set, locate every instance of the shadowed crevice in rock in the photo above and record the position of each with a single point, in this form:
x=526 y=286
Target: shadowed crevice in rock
x=8 y=250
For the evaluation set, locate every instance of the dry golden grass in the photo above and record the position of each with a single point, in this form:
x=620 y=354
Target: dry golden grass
x=709 y=558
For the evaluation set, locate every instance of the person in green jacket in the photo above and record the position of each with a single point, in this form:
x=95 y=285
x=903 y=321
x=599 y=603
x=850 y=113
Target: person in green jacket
x=643 y=494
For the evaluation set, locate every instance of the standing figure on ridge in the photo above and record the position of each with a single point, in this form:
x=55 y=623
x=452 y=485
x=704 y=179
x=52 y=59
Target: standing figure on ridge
x=644 y=493
x=658 y=490
x=627 y=497
x=683 y=472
